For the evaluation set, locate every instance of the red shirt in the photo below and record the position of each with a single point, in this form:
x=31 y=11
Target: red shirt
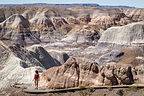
x=36 y=76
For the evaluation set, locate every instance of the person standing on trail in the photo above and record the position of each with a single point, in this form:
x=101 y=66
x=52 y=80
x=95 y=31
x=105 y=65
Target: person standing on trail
x=36 y=78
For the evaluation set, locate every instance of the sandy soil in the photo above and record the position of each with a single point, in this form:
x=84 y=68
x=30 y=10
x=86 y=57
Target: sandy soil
x=88 y=92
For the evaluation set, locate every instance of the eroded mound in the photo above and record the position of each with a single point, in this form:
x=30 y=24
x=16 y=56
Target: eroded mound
x=19 y=64
x=125 y=35
x=30 y=25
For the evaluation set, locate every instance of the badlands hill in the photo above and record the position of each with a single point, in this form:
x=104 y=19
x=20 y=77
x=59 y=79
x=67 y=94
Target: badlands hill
x=105 y=46
x=126 y=35
x=18 y=64
x=31 y=25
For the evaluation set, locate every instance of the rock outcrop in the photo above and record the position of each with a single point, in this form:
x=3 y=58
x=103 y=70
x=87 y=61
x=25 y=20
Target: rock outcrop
x=138 y=74
x=113 y=74
x=80 y=71
x=74 y=72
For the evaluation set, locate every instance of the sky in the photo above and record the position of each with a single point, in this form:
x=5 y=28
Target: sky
x=133 y=3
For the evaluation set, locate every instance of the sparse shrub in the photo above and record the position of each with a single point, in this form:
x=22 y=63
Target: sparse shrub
x=83 y=93
x=109 y=88
x=2 y=38
x=69 y=95
x=132 y=88
x=143 y=89
x=24 y=87
x=50 y=94
x=48 y=79
x=128 y=89
x=104 y=94
x=81 y=86
x=17 y=83
x=54 y=88
x=120 y=92
x=87 y=92
x=90 y=91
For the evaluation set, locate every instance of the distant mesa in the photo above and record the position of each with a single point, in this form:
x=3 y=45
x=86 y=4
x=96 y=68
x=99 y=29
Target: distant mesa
x=65 y=5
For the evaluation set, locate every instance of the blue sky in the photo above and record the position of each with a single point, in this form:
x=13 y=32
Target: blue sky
x=136 y=3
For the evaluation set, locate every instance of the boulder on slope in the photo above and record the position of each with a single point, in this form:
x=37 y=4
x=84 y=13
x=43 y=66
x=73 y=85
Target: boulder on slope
x=114 y=74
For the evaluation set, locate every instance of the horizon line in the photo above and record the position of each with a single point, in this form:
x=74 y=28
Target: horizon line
x=66 y=3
